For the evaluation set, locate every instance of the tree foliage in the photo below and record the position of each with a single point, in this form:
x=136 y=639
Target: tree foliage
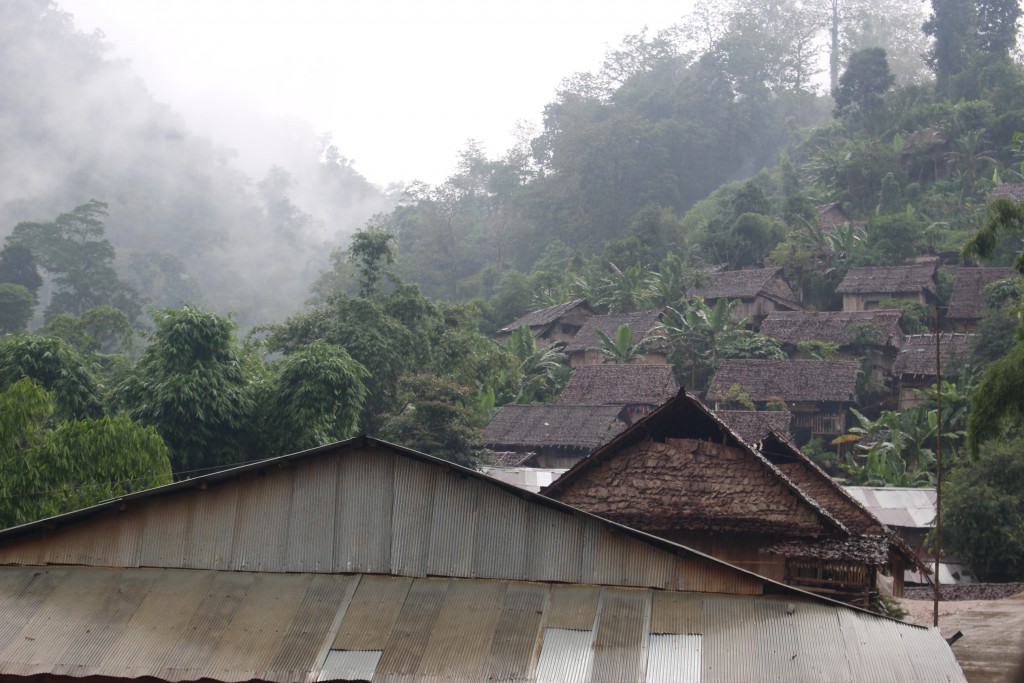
x=57 y=368
x=983 y=512
x=193 y=387
x=46 y=470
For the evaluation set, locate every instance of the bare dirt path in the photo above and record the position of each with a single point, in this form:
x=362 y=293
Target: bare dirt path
x=992 y=647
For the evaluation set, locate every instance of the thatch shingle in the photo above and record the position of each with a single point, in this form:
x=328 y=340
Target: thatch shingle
x=522 y=427
x=890 y=280
x=917 y=357
x=967 y=301
x=834 y=327
x=542 y=317
x=746 y=284
x=620 y=385
x=754 y=425
x=789 y=380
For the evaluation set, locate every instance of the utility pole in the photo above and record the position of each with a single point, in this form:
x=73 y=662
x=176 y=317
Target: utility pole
x=938 y=461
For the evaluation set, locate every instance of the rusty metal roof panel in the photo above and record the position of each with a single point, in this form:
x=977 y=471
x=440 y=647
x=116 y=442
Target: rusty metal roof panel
x=462 y=634
x=166 y=524
x=558 y=543
x=512 y=654
x=372 y=613
x=407 y=645
x=184 y=625
x=362 y=524
x=310 y=635
x=157 y=624
x=620 y=644
x=311 y=522
x=258 y=627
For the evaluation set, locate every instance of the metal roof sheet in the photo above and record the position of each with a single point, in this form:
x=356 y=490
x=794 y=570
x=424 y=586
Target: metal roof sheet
x=900 y=507
x=186 y=625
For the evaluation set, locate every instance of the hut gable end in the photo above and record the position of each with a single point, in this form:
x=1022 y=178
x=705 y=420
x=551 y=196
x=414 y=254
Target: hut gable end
x=724 y=489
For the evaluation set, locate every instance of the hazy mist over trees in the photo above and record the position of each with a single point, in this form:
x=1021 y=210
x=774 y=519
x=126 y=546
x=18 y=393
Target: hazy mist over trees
x=77 y=126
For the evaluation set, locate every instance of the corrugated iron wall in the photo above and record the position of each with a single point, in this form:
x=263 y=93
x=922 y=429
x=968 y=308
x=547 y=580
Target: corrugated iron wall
x=370 y=511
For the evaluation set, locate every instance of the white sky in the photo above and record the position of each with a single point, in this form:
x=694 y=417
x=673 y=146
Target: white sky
x=401 y=85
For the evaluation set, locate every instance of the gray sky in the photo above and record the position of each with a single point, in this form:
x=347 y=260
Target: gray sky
x=401 y=85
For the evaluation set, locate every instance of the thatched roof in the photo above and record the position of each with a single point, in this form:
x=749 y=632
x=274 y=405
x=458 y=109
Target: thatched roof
x=831 y=215
x=754 y=425
x=890 y=279
x=870 y=540
x=789 y=380
x=620 y=384
x=524 y=427
x=641 y=322
x=917 y=357
x=1014 y=191
x=544 y=316
x=967 y=302
x=835 y=327
x=681 y=467
x=747 y=284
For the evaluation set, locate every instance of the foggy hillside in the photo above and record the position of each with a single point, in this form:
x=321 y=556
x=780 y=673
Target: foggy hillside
x=76 y=125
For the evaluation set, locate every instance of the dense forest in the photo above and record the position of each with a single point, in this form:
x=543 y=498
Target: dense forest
x=166 y=314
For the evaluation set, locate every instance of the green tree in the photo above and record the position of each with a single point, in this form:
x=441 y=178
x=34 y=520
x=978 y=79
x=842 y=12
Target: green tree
x=57 y=368
x=867 y=77
x=46 y=471
x=433 y=416
x=194 y=388
x=373 y=250
x=983 y=512
x=74 y=250
x=316 y=398
x=999 y=394
x=622 y=349
x=16 y=306
x=698 y=333
x=542 y=372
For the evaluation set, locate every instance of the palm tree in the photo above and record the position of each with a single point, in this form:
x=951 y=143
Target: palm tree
x=625 y=291
x=970 y=150
x=697 y=333
x=542 y=372
x=621 y=349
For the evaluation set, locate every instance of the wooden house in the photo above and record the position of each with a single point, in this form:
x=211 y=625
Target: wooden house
x=915 y=368
x=582 y=350
x=864 y=288
x=967 y=301
x=640 y=388
x=874 y=334
x=841 y=566
x=681 y=474
x=818 y=393
x=552 y=436
x=550 y=325
x=754 y=425
x=760 y=292
x=364 y=561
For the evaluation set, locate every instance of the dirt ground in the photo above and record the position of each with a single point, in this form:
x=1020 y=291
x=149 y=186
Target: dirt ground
x=992 y=647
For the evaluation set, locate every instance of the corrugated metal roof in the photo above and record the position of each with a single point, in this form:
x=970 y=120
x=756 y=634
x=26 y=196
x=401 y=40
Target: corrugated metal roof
x=185 y=625
x=901 y=507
